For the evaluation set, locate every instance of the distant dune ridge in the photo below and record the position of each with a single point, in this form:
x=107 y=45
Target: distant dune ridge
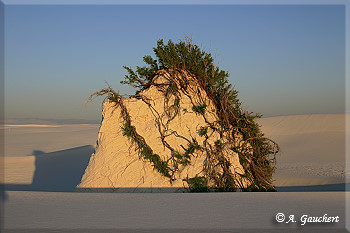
x=117 y=166
x=313 y=148
x=40 y=121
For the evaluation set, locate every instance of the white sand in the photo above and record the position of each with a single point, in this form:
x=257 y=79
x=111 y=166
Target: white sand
x=215 y=211
x=24 y=140
x=312 y=147
x=19 y=170
x=312 y=154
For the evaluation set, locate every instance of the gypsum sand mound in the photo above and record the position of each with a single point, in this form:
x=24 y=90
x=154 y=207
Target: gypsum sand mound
x=183 y=130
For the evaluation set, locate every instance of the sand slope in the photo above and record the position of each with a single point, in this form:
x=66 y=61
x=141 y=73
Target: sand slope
x=312 y=148
x=28 y=211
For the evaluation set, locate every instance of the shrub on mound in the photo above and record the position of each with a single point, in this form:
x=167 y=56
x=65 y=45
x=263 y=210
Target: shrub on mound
x=257 y=154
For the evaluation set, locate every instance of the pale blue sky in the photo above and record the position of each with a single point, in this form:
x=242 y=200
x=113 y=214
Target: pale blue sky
x=282 y=59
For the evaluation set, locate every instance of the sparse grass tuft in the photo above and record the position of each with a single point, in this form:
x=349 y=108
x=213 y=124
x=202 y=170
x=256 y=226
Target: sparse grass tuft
x=200 y=109
x=203 y=131
x=192 y=147
x=110 y=94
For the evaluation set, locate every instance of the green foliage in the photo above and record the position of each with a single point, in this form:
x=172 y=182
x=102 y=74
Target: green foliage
x=218 y=143
x=200 y=109
x=111 y=94
x=192 y=147
x=198 y=184
x=253 y=188
x=161 y=166
x=202 y=131
x=177 y=102
x=228 y=186
x=129 y=130
x=181 y=56
x=184 y=159
x=181 y=159
x=143 y=75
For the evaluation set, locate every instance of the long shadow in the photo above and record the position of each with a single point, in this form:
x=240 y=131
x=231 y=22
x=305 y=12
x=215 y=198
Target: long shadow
x=342 y=187
x=61 y=171
x=58 y=171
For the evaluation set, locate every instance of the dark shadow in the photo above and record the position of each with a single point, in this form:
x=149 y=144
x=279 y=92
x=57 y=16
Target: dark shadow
x=59 y=171
x=133 y=190
x=70 y=187
x=3 y=194
x=37 y=152
x=342 y=187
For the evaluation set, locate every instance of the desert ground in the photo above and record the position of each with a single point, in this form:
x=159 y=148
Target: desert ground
x=44 y=163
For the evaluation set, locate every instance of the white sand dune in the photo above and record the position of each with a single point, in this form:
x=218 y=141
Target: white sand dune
x=24 y=140
x=312 y=148
x=42 y=165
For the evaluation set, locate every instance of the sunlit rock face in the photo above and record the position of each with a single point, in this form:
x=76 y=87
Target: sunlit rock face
x=164 y=121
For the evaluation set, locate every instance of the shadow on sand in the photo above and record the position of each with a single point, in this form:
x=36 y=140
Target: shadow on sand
x=61 y=171
x=342 y=187
x=58 y=171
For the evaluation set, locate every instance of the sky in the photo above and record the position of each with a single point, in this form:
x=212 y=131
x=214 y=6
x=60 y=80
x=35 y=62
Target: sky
x=282 y=59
